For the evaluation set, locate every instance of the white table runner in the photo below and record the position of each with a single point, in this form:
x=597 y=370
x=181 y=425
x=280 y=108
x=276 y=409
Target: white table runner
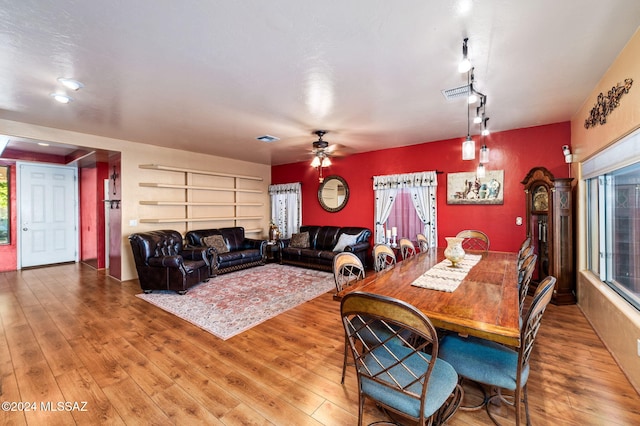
x=444 y=277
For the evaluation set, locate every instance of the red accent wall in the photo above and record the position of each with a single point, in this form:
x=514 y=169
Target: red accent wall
x=92 y=219
x=514 y=151
x=8 y=252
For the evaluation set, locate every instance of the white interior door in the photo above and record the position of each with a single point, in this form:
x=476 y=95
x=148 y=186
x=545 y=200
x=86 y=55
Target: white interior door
x=48 y=214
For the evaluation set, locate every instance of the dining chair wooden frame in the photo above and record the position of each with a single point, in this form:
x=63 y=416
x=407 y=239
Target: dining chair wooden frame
x=423 y=243
x=474 y=240
x=407 y=249
x=528 y=266
x=383 y=257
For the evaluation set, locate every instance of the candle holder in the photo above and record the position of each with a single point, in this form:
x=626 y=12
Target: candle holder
x=394 y=244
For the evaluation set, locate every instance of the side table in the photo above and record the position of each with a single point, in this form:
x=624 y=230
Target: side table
x=273 y=251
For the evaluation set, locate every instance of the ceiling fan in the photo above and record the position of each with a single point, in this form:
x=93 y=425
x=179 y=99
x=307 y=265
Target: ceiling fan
x=322 y=151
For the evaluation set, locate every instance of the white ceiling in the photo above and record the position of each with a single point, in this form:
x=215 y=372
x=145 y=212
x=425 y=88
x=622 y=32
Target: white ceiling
x=211 y=76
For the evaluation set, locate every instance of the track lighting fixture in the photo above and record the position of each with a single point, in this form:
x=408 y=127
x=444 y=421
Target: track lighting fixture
x=468 y=145
x=465 y=63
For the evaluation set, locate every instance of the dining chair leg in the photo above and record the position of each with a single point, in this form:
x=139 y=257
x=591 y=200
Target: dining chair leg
x=478 y=386
x=344 y=360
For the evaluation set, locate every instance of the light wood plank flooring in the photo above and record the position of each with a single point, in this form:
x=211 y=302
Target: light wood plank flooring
x=69 y=333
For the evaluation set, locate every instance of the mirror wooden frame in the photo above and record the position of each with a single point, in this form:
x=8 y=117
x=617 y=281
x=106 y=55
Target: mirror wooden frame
x=321 y=198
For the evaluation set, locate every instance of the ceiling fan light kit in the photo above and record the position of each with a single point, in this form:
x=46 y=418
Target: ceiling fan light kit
x=321 y=154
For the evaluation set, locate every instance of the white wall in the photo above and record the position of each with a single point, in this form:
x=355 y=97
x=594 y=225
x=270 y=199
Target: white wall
x=132 y=155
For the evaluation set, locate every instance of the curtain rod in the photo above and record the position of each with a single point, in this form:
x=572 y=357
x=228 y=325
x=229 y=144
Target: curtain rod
x=438 y=172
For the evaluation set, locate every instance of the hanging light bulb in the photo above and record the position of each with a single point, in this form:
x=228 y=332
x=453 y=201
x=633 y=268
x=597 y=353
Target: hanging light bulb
x=480 y=172
x=315 y=162
x=326 y=162
x=485 y=131
x=484 y=154
x=468 y=149
x=465 y=64
x=478 y=118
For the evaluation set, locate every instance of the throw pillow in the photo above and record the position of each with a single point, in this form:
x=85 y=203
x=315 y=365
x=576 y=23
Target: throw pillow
x=300 y=240
x=344 y=241
x=217 y=242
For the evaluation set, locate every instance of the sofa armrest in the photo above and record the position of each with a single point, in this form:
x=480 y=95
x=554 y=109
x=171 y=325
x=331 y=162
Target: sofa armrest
x=166 y=261
x=358 y=247
x=195 y=253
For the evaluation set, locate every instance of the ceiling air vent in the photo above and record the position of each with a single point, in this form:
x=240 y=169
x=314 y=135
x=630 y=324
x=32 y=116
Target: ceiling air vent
x=456 y=92
x=267 y=138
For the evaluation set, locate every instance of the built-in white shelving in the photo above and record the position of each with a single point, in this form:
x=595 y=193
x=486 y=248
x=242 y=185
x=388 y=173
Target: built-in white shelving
x=184 y=194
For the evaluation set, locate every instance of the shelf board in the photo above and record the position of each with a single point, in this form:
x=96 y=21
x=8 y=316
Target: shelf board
x=198 y=219
x=195 y=203
x=253 y=231
x=199 y=172
x=205 y=188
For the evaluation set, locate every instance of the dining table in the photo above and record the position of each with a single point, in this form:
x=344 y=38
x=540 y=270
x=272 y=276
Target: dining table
x=485 y=304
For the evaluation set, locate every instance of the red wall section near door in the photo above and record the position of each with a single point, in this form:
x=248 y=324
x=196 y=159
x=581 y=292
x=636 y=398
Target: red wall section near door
x=8 y=252
x=514 y=151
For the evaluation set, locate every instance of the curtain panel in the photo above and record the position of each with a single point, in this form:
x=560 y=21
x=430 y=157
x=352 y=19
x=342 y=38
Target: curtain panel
x=286 y=207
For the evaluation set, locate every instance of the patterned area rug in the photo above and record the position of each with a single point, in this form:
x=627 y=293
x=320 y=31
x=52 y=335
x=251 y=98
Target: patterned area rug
x=232 y=303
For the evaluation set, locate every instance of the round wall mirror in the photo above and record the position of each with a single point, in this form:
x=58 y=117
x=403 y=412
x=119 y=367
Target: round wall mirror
x=333 y=193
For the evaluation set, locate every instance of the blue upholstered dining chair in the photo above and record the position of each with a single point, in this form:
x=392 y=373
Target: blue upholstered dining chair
x=526 y=272
x=395 y=349
x=497 y=365
x=347 y=269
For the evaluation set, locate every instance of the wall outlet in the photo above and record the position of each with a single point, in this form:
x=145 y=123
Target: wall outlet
x=133 y=222
x=518 y=221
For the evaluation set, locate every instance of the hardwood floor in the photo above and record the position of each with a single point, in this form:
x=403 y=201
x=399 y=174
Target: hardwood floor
x=69 y=333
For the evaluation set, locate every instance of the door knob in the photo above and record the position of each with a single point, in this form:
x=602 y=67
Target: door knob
x=25 y=229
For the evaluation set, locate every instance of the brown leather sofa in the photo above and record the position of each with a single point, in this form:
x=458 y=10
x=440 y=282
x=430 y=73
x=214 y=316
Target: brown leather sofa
x=322 y=241
x=163 y=263
x=242 y=252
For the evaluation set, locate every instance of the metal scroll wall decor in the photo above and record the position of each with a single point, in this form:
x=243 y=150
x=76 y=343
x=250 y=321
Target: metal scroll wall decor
x=605 y=104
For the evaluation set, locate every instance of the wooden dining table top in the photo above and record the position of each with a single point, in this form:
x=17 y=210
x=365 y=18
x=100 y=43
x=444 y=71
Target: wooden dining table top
x=484 y=305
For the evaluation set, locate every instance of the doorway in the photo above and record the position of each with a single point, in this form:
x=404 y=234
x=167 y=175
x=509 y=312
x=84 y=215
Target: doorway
x=47 y=214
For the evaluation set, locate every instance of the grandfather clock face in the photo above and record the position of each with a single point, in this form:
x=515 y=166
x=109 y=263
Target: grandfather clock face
x=540 y=199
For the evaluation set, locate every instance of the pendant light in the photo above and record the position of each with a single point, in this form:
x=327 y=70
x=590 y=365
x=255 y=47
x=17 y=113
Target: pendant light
x=468 y=146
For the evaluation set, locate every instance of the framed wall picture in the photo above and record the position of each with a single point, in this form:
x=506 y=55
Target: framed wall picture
x=468 y=188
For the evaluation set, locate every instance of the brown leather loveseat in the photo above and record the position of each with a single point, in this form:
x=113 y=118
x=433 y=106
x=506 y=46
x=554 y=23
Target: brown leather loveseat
x=230 y=250
x=164 y=264
x=324 y=242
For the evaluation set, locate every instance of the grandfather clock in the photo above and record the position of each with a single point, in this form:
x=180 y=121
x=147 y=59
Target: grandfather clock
x=550 y=226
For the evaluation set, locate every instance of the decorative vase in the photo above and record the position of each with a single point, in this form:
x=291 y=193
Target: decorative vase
x=454 y=251
x=273 y=233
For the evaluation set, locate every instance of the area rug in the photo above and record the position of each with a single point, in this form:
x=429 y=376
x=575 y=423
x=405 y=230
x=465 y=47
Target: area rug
x=232 y=303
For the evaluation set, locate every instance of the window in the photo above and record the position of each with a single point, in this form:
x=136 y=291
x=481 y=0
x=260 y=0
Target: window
x=404 y=217
x=398 y=198
x=5 y=211
x=613 y=219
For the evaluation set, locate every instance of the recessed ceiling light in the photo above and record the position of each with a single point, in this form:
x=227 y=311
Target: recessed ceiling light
x=62 y=98
x=268 y=138
x=70 y=83
x=43 y=144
